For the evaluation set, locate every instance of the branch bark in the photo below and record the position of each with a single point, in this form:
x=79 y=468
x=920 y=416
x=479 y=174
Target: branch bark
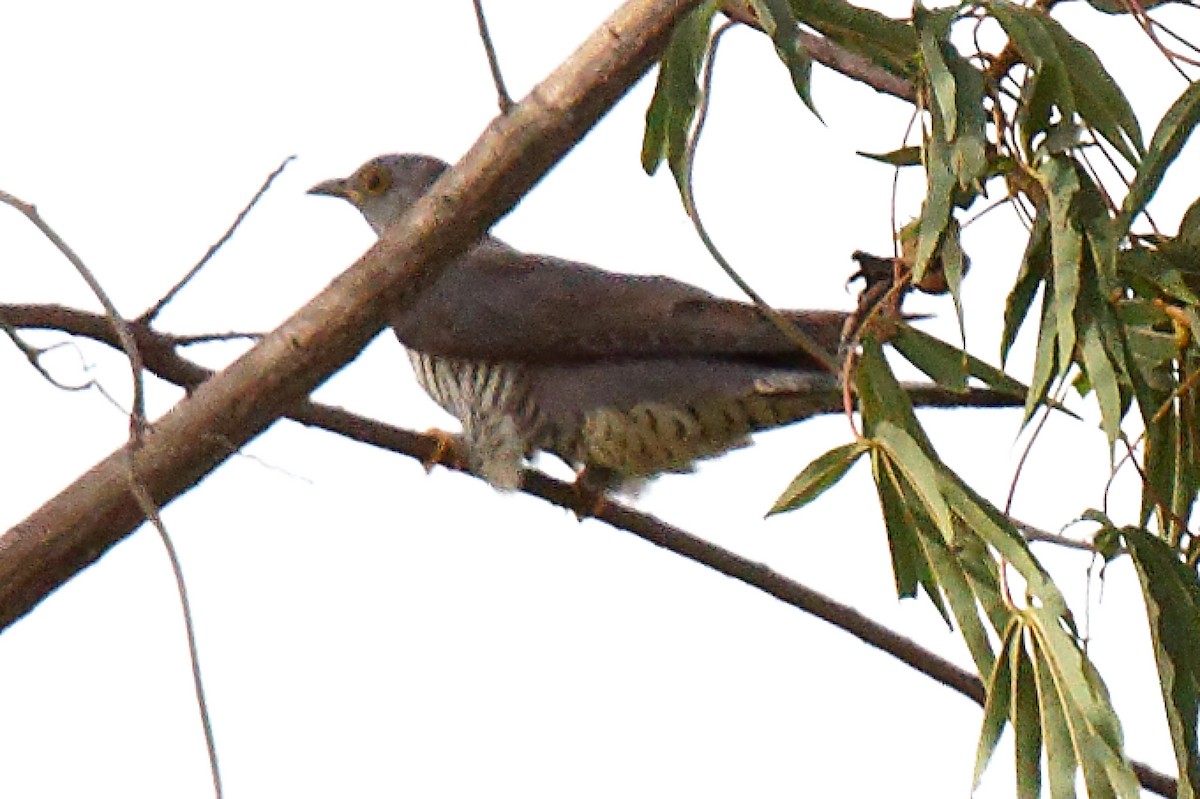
x=78 y=526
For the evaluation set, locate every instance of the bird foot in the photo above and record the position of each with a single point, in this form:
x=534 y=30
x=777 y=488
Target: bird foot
x=447 y=451
x=591 y=488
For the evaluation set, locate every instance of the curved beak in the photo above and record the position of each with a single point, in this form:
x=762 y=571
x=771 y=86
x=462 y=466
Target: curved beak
x=336 y=188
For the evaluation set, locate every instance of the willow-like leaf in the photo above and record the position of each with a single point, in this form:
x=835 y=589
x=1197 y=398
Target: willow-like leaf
x=676 y=92
x=1169 y=137
x=1172 y=599
x=819 y=476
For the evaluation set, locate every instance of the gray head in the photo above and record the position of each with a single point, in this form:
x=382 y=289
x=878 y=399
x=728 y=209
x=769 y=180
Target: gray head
x=384 y=187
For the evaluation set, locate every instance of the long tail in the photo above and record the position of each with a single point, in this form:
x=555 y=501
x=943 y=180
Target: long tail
x=794 y=399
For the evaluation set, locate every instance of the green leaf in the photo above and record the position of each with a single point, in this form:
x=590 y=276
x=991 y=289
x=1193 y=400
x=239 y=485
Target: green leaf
x=920 y=472
x=983 y=573
x=780 y=23
x=1033 y=111
x=1169 y=270
x=939 y=199
x=1100 y=100
x=933 y=27
x=1051 y=85
x=880 y=395
x=1170 y=136
x=1061 y=763
x=1035 y=264
x=1103 y=378
x=1162 y=455
x=676 y=92
x=1125 y=6
x=948 y=365
x=886 y=42
x=1172 y=600
x=1094 y=729
x=1069 y=76
x=1027 y=724
x=1045 y=361
x=954 y=266
x=1060 y=182
x=819 y=476
x=882 y=401
x=1189 y=226
x=968 y=579
x=999 y=695
x=905 y=156
x=909 y=567
x=943 y=363
x=954 y=152
x=997 y=531
x=969 y=149
x=1092 y=215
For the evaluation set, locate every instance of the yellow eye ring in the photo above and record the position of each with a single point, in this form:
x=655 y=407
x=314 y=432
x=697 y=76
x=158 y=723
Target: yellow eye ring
x=375 y=180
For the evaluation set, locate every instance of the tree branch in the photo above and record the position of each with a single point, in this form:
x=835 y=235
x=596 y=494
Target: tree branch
x=832 y=55
x=162 y=359
x=78 y=526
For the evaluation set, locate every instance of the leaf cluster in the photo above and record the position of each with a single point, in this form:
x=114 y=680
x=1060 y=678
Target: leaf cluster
x=1115 y=316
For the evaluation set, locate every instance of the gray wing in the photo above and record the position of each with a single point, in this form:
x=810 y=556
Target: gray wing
x=498 y=304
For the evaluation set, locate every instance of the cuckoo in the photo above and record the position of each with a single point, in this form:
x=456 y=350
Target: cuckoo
x=623 y=377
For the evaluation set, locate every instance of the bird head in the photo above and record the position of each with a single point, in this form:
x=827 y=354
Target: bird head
x=384 y=187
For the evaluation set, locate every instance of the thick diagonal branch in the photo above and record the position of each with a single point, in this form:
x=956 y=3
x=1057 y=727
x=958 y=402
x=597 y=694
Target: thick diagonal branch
x=75 y=528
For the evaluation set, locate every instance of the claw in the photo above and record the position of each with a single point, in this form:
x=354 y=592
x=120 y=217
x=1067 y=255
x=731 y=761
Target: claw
x=591 y=487
x=446 y=451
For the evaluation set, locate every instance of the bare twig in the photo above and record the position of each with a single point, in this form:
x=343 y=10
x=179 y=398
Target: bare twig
x=794 y=334
x=209 y=338
x=1032 y=533
x=137 y=417
x=189 y=626
x=152 y=313
x=137 y=424
x=34 y=356
x=502 y=97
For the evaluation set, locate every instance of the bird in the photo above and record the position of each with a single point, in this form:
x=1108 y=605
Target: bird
x=623 y=377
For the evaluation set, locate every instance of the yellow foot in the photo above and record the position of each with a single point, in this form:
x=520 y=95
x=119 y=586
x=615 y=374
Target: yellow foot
x=591 y=486
x=446 y=451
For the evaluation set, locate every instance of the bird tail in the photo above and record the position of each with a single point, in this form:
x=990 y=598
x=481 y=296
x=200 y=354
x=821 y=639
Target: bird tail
x=785 y=398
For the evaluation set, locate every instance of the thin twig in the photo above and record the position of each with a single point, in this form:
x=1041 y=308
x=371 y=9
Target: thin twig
x=791 y=331
x=502 y=97
x=1031 y=533
x=152 y=313
x=208 y=338
x=34 y=356
x=143 y=498
x=137 y=418
x=137 y=424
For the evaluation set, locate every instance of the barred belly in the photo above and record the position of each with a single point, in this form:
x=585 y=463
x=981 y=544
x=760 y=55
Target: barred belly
x=651 y=438
x=491 y=401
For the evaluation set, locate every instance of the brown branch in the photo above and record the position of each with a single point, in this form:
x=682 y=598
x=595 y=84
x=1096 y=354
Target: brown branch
x=503 y=99
x=137 y=425
x=150 y=314
x=75 y=528
x=839 y=59
x=137 y=418
x=856 y=67
x=163 y=360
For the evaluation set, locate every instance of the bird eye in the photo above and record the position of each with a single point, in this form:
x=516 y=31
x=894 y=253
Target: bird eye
x=376 y=180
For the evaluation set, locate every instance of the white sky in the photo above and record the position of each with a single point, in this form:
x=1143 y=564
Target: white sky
x=368 y=630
